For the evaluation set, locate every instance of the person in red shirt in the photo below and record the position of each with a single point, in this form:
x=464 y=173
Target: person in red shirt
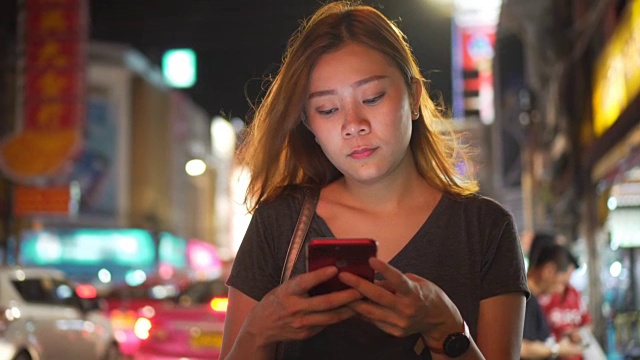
x=565 y=312
x=566 y=315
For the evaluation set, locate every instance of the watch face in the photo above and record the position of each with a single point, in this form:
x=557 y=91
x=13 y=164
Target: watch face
x=456 y=345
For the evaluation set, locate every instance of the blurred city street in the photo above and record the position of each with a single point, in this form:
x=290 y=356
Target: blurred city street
x=122 y=201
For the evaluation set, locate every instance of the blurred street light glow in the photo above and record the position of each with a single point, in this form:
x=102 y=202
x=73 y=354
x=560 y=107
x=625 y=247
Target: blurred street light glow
x=477 y=4
x=476 y=12
x=179 y=67
x=195 y=167
x=615 y=269
x=135 y=277
x=223 y=138
x=104 y=275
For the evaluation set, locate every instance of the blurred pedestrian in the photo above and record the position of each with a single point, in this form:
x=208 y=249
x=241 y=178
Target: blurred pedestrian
x=550 y=269
x=540 y=240
x=348 y=116
x=566 y=313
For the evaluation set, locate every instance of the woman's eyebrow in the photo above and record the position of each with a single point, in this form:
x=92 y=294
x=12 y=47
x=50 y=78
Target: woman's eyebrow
x=354 y=85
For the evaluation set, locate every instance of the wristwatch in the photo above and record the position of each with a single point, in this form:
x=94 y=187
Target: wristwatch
x=455 y=344
x=555 y=348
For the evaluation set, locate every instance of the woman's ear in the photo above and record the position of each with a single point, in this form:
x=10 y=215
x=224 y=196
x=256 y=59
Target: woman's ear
x=416 y=94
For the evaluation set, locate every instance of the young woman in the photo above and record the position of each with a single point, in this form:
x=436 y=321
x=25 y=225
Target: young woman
x=348 y=114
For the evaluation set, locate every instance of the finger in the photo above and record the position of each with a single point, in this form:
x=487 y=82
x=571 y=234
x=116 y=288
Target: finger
x=309 y=324
x=333 y=300
x=363 y=286
x=395 y=281
x=416 y=278
x=326 y=318
x=305 y=333
x=301 y=284
x=387 y=271
x=385 y=284
x=376 y=295
x=381 y=317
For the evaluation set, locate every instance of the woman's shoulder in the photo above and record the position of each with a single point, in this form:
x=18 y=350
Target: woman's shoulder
x=478 y=203
x=289 y=199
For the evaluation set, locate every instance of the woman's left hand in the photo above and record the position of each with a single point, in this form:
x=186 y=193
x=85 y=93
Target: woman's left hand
x=404 y=304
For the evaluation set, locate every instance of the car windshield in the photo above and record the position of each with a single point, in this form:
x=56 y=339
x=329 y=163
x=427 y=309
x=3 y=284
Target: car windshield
x=155 y=292
x=202 y=292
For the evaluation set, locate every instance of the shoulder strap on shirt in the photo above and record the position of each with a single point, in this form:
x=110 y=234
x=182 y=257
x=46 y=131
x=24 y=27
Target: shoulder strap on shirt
x=300 y=232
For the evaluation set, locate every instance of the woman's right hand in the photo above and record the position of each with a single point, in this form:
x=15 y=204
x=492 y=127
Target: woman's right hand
x=289 y=313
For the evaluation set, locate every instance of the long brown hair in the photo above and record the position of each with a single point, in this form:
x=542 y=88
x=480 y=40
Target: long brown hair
x=279 y=150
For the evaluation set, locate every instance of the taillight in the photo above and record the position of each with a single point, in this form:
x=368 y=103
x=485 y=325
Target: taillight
x=145 y=329
x=219 y=304
x=123 y=319
x=86 y=291
x=141 y=328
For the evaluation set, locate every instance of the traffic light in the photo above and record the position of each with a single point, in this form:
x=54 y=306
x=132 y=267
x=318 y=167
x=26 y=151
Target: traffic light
x=179 y=68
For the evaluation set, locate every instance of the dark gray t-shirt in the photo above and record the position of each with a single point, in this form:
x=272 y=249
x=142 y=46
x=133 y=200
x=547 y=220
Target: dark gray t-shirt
x=469 y=247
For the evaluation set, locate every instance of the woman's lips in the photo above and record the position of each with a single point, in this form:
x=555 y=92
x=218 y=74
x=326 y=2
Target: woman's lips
x=362 y=153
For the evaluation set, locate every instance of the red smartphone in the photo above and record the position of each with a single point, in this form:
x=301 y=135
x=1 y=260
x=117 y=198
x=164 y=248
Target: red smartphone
x=351 y=255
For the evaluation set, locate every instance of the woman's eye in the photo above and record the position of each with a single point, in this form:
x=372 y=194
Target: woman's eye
x=327 y=112
x=373 y=100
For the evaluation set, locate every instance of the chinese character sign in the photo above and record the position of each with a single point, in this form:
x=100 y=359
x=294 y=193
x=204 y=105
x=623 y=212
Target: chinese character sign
x=51 y=90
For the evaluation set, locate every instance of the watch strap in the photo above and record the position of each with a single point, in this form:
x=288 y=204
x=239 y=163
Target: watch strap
x=441 y=349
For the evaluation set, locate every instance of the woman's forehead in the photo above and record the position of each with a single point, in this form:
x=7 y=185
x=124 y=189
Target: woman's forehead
x=349 y=64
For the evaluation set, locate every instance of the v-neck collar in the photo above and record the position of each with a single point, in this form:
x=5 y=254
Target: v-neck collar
x=325 y=231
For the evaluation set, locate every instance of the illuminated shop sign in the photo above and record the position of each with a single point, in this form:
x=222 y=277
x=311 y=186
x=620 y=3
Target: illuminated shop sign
x=624 y=227
x=51 y=92
x=616 y=79
x=473 y=44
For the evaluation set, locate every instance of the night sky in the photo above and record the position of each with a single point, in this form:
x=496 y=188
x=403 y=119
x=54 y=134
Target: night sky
x=240 y=42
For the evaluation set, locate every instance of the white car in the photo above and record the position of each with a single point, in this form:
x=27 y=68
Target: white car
x=42 y=318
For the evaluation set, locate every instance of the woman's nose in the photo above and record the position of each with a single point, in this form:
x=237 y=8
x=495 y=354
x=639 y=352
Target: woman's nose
x=355 y=124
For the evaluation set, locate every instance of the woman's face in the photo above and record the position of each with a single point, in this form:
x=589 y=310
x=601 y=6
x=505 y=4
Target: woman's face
x=360 y=110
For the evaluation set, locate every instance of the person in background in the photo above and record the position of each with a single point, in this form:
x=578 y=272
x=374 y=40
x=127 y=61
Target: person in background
x=567 y=315
x=565 y=311
x=540 y=240
x=549 y=271
x=348 y=114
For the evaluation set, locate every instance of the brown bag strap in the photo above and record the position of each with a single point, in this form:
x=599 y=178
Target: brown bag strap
x=300 y=232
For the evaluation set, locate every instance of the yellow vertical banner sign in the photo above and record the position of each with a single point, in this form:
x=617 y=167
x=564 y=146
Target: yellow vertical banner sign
x=616 y=80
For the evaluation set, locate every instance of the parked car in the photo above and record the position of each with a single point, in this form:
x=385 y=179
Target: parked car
x=189 y=328
x=42 y=318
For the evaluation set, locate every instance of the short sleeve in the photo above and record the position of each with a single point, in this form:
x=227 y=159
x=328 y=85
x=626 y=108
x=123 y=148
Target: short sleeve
x=258 y=264
x=254 y=266
x=503 y=262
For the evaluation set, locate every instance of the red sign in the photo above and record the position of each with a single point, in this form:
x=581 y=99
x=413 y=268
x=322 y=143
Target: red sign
x=55 y=42
x=55 y=53
x=53 y=84
x=54 y=19
x=34 y=200
x=53 y=115
x=53 y=99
